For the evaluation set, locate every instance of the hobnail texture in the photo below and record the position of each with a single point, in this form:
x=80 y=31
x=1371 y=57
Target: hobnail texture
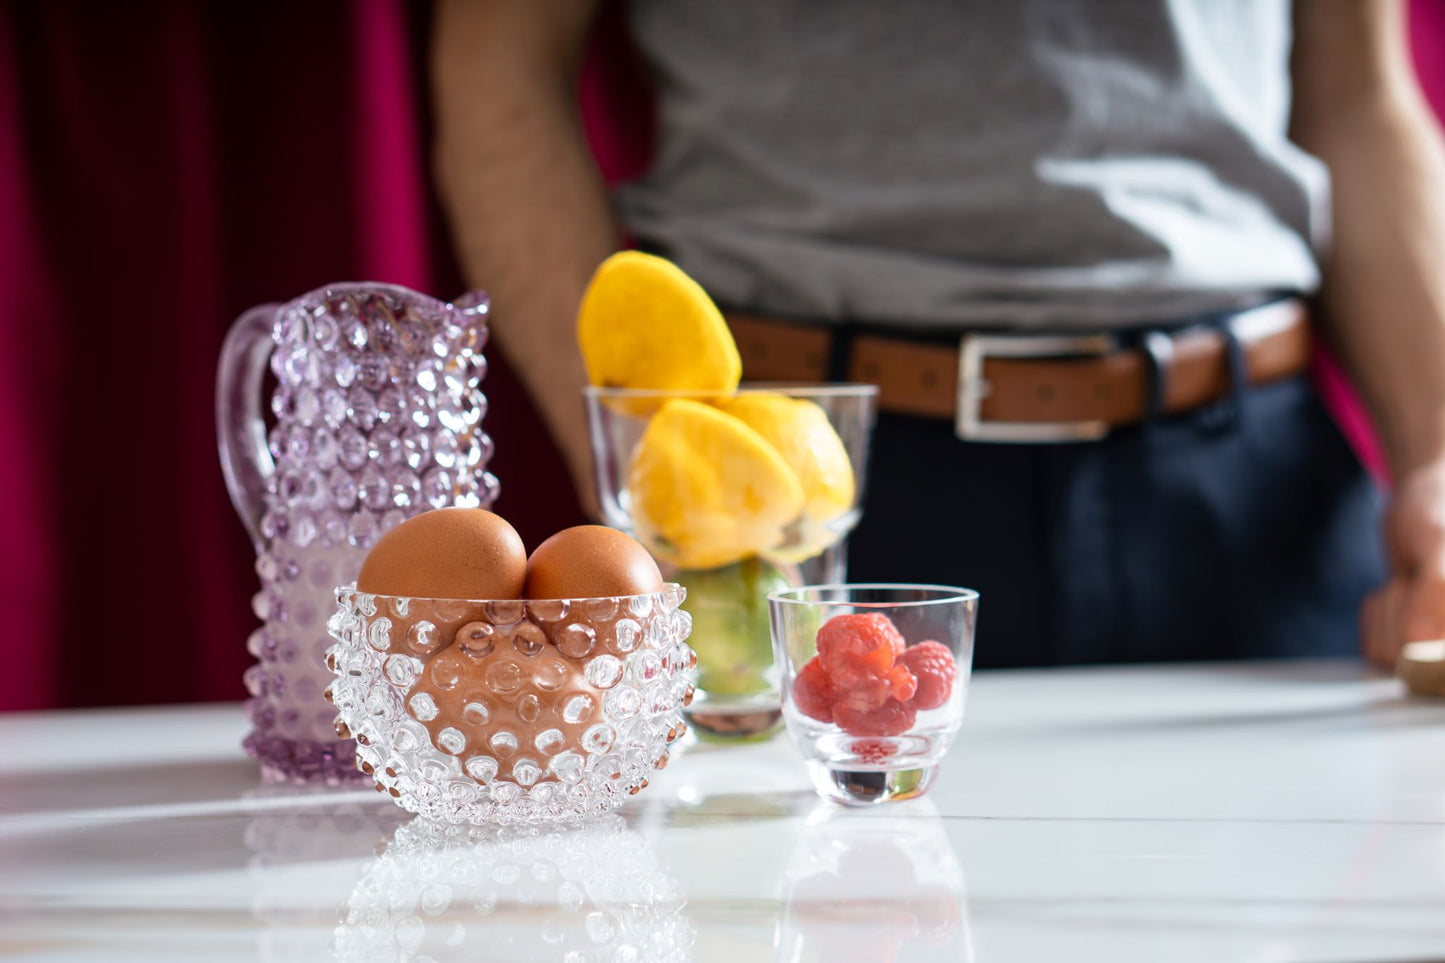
x=595 y=892
x=378 y=415
x=472 y=711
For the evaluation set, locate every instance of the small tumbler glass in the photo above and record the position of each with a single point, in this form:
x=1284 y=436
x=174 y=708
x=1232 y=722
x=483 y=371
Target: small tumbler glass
x=874 y=682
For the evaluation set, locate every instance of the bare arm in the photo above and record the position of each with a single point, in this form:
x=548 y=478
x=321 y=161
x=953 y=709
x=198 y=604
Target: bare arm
x=1358 y=108
x=526 y=204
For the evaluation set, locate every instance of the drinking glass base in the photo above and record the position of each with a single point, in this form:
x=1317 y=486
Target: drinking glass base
x=867 y=787
x=711 y=724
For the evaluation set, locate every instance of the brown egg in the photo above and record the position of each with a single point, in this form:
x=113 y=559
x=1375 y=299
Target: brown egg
x=449 y=553
x=590 y=561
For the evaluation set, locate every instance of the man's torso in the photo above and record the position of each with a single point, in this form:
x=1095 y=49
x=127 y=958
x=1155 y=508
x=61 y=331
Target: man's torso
x=1033 y=163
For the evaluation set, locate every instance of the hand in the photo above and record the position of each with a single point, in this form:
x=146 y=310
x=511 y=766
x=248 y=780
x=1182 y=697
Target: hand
x=1411 y=605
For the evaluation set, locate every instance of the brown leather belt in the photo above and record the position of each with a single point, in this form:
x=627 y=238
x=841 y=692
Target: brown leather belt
x=1037 y=387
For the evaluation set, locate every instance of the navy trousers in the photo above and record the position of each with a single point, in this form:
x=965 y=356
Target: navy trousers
x=1246 y=529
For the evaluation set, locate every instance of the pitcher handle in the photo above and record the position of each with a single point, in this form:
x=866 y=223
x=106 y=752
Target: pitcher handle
x=240 y=425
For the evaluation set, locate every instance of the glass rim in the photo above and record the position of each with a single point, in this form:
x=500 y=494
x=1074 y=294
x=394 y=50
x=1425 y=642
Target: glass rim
x=947 y=594
x=353 y=288
x=668 y=588
x=840 y=389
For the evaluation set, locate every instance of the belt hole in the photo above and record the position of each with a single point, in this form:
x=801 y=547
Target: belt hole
x=1045 y=393
x=929 y=378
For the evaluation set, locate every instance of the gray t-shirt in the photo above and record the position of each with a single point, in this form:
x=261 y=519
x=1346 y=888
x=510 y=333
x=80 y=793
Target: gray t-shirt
x=1015 y=163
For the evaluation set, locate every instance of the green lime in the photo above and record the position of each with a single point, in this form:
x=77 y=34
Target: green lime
x=729 y=608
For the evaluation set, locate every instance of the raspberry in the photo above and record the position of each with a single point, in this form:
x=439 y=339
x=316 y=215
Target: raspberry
x=933 y=664
x=854 y=648
x=902 y=683
x=870 y=692
x=866 y=692
x=813 y=693
x=893 y=718
x=872 y=750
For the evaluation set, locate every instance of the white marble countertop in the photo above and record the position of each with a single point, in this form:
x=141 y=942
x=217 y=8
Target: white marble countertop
x=1269 y=812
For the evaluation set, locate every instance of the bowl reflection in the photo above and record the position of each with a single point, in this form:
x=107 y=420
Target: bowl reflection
x=591 y=891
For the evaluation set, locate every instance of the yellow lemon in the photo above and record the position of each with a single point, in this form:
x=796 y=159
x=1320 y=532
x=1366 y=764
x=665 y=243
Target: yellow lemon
x=800 y=432
x=643 y=323
x=707 y=490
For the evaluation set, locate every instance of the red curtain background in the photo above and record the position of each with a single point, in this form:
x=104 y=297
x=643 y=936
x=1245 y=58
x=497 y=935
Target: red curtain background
x=164 y=166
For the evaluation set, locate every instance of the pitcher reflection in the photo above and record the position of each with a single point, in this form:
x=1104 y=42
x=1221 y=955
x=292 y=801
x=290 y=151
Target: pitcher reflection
x=591 y=892
x=306 y=844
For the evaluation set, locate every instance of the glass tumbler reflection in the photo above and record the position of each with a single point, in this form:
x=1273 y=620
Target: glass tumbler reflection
x=375 y=416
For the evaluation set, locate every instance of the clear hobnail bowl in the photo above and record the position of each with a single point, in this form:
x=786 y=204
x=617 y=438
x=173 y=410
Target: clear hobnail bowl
x=469 y=711
x=894 y=751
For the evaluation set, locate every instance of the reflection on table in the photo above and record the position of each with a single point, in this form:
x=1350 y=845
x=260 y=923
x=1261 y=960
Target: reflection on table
x=303 y=842
x=593 y=891
x=877 y=886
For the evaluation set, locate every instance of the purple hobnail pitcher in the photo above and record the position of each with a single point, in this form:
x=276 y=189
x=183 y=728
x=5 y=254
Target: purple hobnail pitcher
x=376 y=416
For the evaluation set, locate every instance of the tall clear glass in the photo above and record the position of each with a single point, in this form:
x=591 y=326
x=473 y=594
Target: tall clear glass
x=375 y=415
x=704 y=482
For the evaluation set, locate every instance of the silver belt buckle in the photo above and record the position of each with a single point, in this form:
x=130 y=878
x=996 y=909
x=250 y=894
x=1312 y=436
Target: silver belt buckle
x=973 y=349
